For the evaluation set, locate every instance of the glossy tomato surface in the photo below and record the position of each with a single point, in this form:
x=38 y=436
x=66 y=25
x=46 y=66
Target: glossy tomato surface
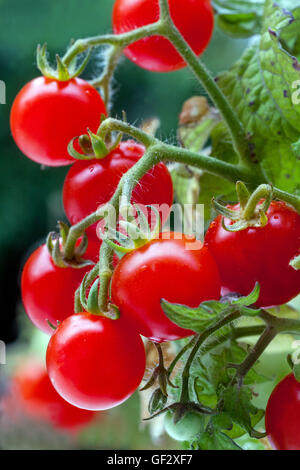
x=259 y=255
x=38 y=398
x=47 y=114
x=283 y=415
x=89 y=184
x=95 y=363
x=163 y=269
x=193 y=18
x=47 y=290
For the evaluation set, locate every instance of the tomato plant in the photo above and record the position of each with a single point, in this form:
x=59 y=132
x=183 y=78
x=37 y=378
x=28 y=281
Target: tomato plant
x=48 y=113
x=283 y=414
x=38 y=398
x=240 y=146
x=166 y=269
x=90 y=184
x=95 y=363
x=48 y=290
x=259 y=254
x=193 y=19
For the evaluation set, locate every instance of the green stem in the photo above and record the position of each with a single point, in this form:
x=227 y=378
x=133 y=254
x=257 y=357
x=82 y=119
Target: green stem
x=105 y=274
x=263 y=342
x=188 y=346
x=291 y=199
x=92 y=275
x=185 y=398
x=119 y=40
x=264 y=191
x=207 y=81
x=104 y=81
x=76 y=231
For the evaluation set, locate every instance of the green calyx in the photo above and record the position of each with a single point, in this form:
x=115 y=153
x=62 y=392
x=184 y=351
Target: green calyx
x=56 y=242
x=63 y=71
x=252 y=211
x=137 y=230
x=89 y=299
x=92 y=145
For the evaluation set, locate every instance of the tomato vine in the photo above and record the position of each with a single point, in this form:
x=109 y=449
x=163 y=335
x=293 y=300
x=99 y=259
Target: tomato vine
x=218 y=389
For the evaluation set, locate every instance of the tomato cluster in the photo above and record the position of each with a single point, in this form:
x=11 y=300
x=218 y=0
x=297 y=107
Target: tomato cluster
x=94 y=362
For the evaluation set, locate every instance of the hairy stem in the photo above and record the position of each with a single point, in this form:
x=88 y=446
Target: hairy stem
x=185 y=398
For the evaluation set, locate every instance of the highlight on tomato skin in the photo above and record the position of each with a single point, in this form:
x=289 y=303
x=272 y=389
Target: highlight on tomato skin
x=95 y=363
x=194 y=20
x=46 y=114
x=32 y=392
x=163 y=268
x=283 y=415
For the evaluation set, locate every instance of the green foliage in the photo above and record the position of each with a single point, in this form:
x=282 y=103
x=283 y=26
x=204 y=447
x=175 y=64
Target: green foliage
x=259 y=87
x=212 y=383
x=208 y=313
x=239 y=18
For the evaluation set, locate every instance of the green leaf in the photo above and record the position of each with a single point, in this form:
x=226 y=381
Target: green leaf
x=200 y=318
x=237 y=403
x=259 y=87
x=244 y=18
x=249 y=299
x=239 y=18
x=196 y=319
x=214 y=439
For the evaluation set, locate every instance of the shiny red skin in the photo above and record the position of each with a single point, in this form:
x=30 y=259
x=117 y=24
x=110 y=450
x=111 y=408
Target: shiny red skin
x=89 y=184
x=259 y=255
x=47 y=290
x=282 y=417
x=38 y=398
x=95 y=363
x=193 y=18
x=47 y=114
x=163 y=269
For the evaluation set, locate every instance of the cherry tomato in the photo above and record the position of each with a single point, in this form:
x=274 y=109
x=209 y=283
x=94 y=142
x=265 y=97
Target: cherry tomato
x=186 y=429
x=283 y=415
x=259 y=255
x=47 y=114
x=193 y=18
x=168 y=269
x=39 y=399
x=89 y=184
x=47 y=290
x=95 y=363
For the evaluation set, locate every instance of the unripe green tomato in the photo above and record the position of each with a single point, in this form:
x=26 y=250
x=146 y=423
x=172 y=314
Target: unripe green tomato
x=186 y=429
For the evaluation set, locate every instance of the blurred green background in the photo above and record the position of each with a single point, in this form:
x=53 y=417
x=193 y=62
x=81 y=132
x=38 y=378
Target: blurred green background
x=30 y=196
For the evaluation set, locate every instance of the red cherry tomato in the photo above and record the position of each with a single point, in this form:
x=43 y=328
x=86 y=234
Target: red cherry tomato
x=283 y=415
x=89 y=184
x=47 y=290
x=259 y=255
x=39 y=399
x=47 y=114
x=193 y=18
x=95 y=363
x=163 y=269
